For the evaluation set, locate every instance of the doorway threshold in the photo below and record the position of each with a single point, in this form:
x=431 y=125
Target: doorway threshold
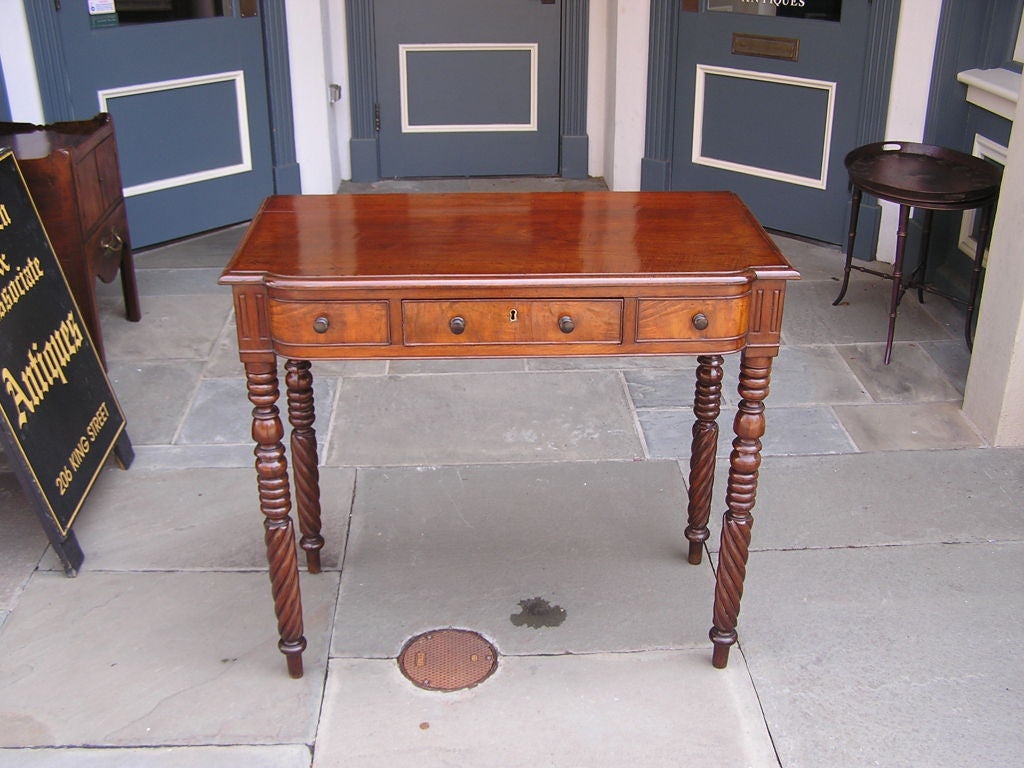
x=473 y=184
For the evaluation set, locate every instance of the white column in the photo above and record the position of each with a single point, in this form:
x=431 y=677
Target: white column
x=908 y=96
x=994 y=399
x=19 y=66
x=626 y=92
x=309 y=68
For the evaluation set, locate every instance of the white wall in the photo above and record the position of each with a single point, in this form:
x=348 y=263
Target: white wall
x=908 y=99
x=597 y=85
x=625 y=98
x=309 y=46
x=994 y=399
x=19 y=66
x=341 y=129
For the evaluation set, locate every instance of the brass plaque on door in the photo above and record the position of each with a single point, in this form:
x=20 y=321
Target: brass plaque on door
x=247 y=8
x=785 y=48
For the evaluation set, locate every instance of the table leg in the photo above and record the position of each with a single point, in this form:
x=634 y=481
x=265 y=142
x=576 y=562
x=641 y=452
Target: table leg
x=755 y=374
x=979 y=257
x=275 y=503
x=129 y=288
x=707 y=405
x=302 y=415
x=850 y=239
x=921 y=270
x=897 y=278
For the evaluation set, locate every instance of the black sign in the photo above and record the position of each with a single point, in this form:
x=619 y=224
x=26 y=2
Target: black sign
x=822 y=10
x=60 y=415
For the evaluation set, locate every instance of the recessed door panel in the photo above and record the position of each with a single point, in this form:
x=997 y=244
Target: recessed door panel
x=767 y=96
x=497 y=88
x=186 y=86
x=738 y=114
x=467 y=87
x=204 y=139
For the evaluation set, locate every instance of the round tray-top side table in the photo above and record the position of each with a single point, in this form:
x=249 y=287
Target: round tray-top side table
x=930 y=178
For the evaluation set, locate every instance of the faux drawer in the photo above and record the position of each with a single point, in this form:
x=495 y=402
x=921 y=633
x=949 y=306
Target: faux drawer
x=105 y=248
x=681 y=319
x=98 y=182
x=511 y=321
x=329 y=322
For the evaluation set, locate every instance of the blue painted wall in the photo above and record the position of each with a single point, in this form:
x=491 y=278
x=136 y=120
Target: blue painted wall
x=5 y=105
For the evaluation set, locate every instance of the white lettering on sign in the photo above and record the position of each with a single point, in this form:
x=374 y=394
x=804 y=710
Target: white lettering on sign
x=777 y=3
x=96 y=7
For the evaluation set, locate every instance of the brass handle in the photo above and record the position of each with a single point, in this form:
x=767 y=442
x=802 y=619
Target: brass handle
x=114 y=243
x=566 y=324
x=700 y=321
x=457 y=324
x=321 y=324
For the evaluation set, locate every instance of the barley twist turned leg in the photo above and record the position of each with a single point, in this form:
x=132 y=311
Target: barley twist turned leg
x=707 y=405
x=275 y=503
x=301 y=415
x=755 y=374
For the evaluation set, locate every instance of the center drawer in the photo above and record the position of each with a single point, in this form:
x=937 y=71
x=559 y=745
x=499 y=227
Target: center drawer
x=512 y=321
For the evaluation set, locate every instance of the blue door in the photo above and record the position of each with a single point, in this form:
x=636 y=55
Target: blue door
x=768 y=95
x=467 y=87
x=186 y=86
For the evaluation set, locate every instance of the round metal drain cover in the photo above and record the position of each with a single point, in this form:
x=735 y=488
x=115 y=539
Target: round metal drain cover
x=448 y=659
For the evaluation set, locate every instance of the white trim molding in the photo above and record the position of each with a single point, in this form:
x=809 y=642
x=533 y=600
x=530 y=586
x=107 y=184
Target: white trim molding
x=238 y=78
x=996 y=90
x=698 y=157
x=403 y=83
x=986 y=149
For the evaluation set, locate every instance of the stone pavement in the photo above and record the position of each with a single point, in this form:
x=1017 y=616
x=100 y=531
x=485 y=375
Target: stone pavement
x=879 y=625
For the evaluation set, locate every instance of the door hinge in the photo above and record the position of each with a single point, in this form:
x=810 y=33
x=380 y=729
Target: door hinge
x=376 y=118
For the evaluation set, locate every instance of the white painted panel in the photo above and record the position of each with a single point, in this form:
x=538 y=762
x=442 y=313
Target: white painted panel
x=403 y=82
x=238 y=78
x=986 y=149
x=698 y=156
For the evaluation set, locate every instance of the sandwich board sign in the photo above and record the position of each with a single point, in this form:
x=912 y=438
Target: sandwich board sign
x=61 y=419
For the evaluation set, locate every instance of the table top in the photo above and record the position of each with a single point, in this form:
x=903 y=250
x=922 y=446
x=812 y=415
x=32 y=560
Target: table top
x=923 y=174
x=31 y=142
x=320 y=241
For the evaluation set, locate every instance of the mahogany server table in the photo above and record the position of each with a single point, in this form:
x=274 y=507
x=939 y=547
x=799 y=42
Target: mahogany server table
x=505 y=275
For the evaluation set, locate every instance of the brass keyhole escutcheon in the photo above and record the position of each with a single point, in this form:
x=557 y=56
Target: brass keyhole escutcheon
x=321 y=324
x=513 y=315
x=700 y=321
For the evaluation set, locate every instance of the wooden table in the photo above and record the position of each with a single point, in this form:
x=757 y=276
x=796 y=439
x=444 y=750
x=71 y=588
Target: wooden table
x=505 y=275
x=932 y=179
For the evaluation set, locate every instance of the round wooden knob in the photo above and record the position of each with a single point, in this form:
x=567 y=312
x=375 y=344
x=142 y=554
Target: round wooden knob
x=700 y=321
x=566 y=324
x=321 y=324
x=457 y=324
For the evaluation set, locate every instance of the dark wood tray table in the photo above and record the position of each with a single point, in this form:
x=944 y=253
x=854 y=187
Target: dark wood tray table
x=932 y=179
